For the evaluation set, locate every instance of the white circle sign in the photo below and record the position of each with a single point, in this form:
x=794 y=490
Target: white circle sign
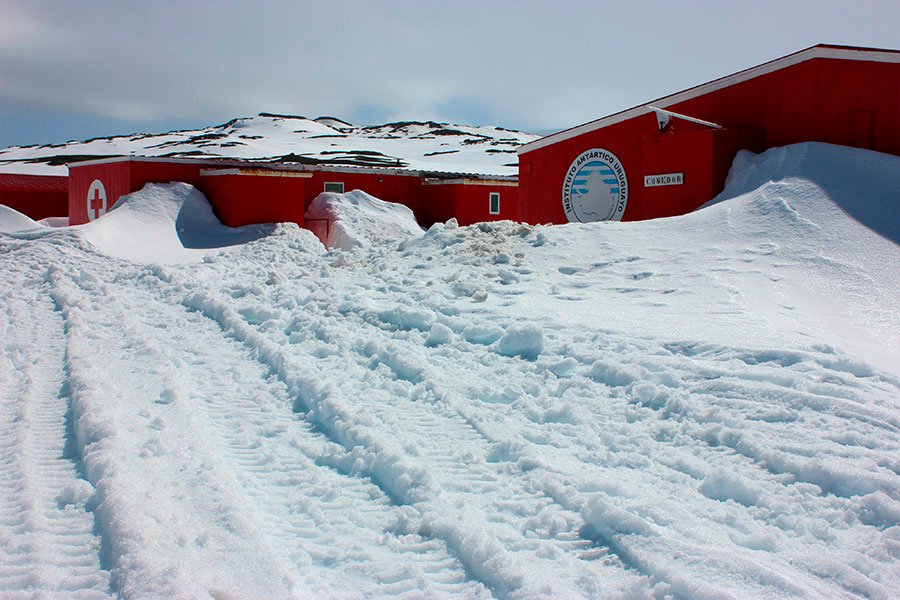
x=96 y=200
x=595 y=187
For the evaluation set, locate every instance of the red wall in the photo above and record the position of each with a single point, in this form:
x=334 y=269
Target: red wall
x=473 y=203
x=440 y=205
x=36 y=196
x=824 y=100
x=240 y=199
x=468 y=202
x=848 y=102
x=541 y=171
x=244 y=199
x=143 y=172
x=116 y=181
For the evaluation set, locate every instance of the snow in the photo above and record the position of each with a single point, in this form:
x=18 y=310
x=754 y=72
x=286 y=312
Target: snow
x=428 y=146
x=165 y=223
x=357 y=219
x=55 y=221
x=703 y=407
x=526 y=341
x=12 y=220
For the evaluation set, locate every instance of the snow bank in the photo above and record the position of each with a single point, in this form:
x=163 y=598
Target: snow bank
x=861 y=183
x=55 y=221
x=690 y=407
x=165 y=223
x=356 y=219
x=12 y=220
x=816 y=226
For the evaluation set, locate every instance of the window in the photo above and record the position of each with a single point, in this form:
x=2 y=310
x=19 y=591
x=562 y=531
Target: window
x=494 y=208
x=334 y=186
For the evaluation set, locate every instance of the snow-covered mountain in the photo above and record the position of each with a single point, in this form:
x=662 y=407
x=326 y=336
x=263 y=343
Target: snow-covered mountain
x=706 y=406
x=412 y=144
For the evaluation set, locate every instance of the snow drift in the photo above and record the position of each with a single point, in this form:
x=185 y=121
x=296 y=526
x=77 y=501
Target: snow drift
x=857 y=183
x=356 y=219
x=822 y=220
x=697 y=407
x=12 y=220
x=165 y=223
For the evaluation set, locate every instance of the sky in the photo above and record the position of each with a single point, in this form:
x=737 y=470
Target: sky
x=76 y=70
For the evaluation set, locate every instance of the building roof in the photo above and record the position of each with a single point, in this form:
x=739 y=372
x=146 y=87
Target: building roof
x=33 y=183
x=819 y=51
x=299 y=167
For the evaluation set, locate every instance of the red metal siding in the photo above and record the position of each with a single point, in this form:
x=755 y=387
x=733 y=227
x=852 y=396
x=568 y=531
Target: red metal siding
x=473 y=203
x=37 y=205
x=689 y=152
x=817 y=100
x=116 y=181
x=143 y=172
x=245 y=199
x=439 y=204
x=36 y=196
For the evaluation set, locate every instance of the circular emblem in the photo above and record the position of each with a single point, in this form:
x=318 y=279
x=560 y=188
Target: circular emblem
x=96 y=200
x=595 y=187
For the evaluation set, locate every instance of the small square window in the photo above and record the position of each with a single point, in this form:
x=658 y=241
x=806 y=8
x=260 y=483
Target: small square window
x=494 y=208
x=336 y=187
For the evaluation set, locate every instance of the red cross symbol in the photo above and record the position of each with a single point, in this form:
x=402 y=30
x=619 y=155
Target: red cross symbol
x=97 y=203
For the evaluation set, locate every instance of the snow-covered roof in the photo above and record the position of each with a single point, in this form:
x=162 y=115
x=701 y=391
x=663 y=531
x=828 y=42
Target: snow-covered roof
x=36 y=183
x=818 y=51
x=305 y=168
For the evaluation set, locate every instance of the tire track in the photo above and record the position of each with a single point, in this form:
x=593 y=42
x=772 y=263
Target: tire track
x=172 y=522
x=593 y=532
x=321 y=517
x=47 y=539
x=416 y=450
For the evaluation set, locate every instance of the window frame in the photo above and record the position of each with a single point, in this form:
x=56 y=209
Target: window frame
x=491 y=210
x=334 y=183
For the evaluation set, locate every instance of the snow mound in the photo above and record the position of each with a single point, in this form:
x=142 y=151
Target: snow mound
x=356 y=219
x=55 y=221
x=821 y=222
x=850 y=182
x=526 y=341
x=12 y=220
x=166 y=223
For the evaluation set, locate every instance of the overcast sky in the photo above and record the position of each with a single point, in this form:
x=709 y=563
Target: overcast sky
x=78 y=69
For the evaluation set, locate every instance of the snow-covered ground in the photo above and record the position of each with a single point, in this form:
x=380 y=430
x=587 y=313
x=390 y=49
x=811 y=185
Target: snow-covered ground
x=698 y=407
x=427 y=146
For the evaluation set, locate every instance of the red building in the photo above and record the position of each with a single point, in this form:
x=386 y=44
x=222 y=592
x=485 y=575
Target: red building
x=37 y=196
x=670 y=156
x=244 y=192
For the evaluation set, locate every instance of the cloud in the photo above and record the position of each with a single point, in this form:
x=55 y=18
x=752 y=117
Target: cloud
x=524 y=64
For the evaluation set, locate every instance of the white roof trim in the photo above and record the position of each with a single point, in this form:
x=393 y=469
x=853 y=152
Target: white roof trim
x=685 y=117
x=862 y=54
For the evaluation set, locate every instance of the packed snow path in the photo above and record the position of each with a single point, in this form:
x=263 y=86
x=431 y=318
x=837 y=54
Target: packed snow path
x=47 y=538
x=496 y=411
